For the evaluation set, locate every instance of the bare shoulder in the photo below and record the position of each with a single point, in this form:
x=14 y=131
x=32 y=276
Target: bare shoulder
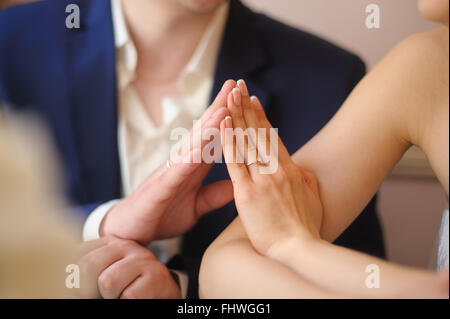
x=414 y=68
x=414 y=77
x=423 y=55
x=421 y=63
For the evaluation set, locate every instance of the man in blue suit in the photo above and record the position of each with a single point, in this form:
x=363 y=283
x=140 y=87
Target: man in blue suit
x=111 y=91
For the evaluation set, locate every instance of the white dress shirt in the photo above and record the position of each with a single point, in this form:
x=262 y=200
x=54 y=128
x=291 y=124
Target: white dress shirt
x=142 y=145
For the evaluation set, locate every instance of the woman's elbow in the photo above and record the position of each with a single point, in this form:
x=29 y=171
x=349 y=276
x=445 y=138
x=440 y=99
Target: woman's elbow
x=206 y=277
x=211 y=266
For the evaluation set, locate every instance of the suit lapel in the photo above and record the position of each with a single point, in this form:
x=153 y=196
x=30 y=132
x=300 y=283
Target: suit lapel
x=92 y=96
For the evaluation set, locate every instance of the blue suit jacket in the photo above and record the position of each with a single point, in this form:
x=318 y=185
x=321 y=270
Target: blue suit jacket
x=68 y=78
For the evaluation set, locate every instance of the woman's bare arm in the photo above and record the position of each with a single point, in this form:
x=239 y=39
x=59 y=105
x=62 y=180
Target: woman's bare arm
x=351 y=157
x=346 y=271
x=231 y=268
x=403 y=101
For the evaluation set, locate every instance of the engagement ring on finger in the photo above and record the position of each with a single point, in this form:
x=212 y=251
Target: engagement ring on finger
x=259 y=162
x=253 y=162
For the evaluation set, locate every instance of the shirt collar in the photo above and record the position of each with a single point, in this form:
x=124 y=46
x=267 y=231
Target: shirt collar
x=121 y=35
x=203 y=61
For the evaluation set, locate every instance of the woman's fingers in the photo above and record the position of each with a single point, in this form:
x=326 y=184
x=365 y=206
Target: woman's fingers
x=237 y=170
x=276 y=147
x=258 y=131
x=252 y=125
x=238 y=121
x=250 y=116
x=246 y=146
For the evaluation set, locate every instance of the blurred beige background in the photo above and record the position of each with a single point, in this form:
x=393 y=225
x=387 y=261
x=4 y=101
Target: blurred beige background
x=411 y=201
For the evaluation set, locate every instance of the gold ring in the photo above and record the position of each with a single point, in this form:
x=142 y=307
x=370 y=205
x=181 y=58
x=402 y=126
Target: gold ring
x=254 y=162
x=260 y=163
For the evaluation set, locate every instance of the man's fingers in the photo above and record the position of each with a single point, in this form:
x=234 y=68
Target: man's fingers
x=88 y=246
x=213 y=197
x=155 y=282
x=221 y=99
x=117 y=277
x=94 y=263
x=199 y=137
x=141 y=288
x=172 y=176
x=97 y=260
x=114 y=279
x=210 y=118
x=209 y=132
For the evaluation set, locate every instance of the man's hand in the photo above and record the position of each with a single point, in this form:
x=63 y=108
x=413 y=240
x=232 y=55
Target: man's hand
x=116 y=268
x=171 y=200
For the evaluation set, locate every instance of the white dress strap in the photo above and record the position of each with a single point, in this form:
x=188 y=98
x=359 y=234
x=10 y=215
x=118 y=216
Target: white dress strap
x=442 y=262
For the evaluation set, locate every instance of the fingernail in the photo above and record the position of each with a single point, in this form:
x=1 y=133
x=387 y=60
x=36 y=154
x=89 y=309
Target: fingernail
x=228 y=122
x=223 y=86
x=255 y=102
x=243 y=87
x=237 y=96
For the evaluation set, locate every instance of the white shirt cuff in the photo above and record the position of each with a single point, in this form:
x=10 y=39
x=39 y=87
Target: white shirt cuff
x=91 y=229
x=184 y=281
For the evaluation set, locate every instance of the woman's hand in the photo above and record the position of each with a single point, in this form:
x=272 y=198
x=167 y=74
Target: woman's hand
x=276 y=207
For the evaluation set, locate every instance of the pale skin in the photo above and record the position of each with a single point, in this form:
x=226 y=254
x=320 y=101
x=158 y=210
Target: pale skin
x=170 y=201
x=286 y=251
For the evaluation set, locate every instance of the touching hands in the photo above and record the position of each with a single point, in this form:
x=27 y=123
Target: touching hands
x=114 y=268
x=171 y=200
x=277 y=207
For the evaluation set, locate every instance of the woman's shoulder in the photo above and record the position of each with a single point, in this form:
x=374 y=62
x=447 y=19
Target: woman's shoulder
x=436 y=39
x=412 y=80
x=417 y=65
x=425 y=52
